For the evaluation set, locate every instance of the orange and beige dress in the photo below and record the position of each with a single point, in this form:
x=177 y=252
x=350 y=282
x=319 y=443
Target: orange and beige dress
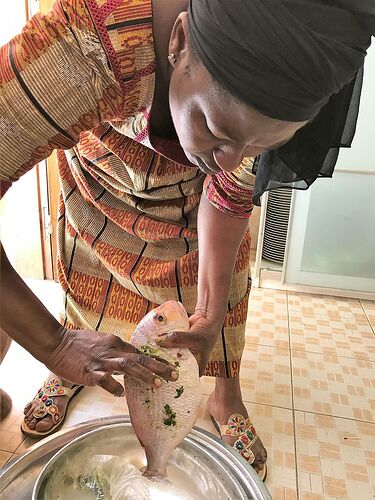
x=81 y=80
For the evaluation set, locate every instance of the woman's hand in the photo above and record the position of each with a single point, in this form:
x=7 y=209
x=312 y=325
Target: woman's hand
x=200 y=339
x=90 y=358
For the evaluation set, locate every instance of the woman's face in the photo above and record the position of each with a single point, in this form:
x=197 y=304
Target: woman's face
x=215 y=130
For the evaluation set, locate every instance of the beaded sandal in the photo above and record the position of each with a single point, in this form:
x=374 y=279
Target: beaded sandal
x=241 y=428
x=52 y=387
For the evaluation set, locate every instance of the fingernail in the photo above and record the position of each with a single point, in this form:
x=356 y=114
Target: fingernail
x=158 y=382
x=174 y=375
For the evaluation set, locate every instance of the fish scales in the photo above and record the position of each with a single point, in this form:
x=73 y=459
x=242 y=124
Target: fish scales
x=161 y=418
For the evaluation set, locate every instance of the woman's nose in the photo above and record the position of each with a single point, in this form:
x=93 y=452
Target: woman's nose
x=229 y=157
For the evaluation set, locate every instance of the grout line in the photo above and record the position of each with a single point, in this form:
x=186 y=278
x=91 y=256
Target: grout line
x=292 y=390
x=266 y=345
x=13 y=456
x=332 y=354
x=268 y=405
x=22 y=442
x=292 y=349
x=368 y=319
x=334 y=416
x=301 y=410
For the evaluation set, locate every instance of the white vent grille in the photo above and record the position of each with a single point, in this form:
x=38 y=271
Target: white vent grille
x=276 y=226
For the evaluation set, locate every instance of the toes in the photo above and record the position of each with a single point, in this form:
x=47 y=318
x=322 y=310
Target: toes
x=45 y=424
x=31 y=424
x=29 y=413
x=27 y=408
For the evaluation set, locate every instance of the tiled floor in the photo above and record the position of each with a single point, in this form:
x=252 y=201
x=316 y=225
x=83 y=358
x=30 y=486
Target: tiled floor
x=308 y=380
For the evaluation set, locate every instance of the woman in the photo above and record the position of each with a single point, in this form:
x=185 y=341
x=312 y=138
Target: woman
x=135 y=95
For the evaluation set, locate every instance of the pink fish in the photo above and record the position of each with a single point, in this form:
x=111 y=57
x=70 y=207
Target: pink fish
x=161 y=418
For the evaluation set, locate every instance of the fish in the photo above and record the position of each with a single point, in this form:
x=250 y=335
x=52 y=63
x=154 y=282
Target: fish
x=161 y=418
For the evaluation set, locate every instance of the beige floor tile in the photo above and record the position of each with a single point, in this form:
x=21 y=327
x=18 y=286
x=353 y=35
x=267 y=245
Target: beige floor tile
x=11 y=437
x=334 y=385
x=368 y=306
x=267 y=300
x=275 y=427
x=4 y=457
x=371 y=318
x=338 y=336
x=322 y=304
x=335 y=457
x=268 y=328
x=265 y=376
x=21 y=376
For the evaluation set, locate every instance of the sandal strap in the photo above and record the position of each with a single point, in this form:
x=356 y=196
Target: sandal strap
x=53 y=387
x=236 y=426
x=244 y=446
x=241 y=427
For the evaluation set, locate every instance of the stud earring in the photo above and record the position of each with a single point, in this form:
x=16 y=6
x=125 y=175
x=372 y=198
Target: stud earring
x=172 y=59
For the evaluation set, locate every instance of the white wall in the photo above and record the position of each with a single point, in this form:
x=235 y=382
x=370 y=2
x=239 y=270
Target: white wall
x=12 y=18
x=19 y=211
x=361 y=156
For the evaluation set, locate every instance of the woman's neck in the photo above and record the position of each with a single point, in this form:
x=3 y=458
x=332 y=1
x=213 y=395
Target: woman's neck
x=165 y=13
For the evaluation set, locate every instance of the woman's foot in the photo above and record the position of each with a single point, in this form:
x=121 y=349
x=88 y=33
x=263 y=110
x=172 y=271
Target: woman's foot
x=5 y=405
x=225 y=401
x=48 y=409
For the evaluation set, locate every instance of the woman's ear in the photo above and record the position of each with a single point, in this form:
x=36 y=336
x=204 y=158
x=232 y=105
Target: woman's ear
x=178 y=42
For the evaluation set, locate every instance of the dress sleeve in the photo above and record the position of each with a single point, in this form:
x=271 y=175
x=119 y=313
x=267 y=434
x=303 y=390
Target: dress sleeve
x=232 y=192
x=55 y=82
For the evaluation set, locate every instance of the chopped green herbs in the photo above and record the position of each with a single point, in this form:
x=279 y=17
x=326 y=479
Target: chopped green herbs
x=170 y=416
x=177 y=364
x=179 y=391
x=148 y=350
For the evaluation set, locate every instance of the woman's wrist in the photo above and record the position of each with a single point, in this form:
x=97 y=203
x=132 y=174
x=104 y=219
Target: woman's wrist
x=213 y=307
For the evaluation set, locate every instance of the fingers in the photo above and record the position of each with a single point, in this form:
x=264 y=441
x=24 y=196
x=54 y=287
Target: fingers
x=191 y=340
x=161 y=368
x=145 y=369
x=109 y=384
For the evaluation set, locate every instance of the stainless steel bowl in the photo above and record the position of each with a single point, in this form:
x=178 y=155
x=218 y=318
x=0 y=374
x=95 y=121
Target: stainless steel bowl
x=31 y=474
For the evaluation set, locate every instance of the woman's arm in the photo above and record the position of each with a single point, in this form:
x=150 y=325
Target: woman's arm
x=80 y=356
x=219 y=238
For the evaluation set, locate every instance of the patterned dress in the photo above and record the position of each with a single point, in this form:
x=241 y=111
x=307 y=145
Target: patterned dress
x=81 y=80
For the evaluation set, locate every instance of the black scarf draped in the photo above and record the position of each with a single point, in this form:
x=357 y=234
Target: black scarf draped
x=291 y=60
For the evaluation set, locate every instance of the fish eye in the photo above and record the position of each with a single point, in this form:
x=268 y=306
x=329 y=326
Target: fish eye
x=160 y=318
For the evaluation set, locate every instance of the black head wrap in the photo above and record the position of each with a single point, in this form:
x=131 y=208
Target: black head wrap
x=291 y=60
